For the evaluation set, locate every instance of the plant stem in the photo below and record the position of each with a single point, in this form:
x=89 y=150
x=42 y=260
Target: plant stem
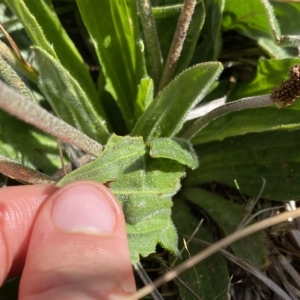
x=245 y=103
x=19 y=172
x=151 y=40
x=178 y=40
x=28 y=111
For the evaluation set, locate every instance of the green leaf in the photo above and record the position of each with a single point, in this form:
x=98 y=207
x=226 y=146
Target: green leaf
x=28 y=16
x=106 y=24
x=247 y=121
x=144 y=187
x=273 y=23
x=162 y=12
x=176 y=149
x=252 y=20
x=27 y=145
x=165 y=115
x=10 y=57
x=192 y=38
x=285 y=12
x=265 y=79
x=45 y=30
x=145 y=96
x=272 y=155
x=290 y=41
x=209 y=48
x=228 y=216
x=13 y=79
x=166 y=25
x=208 y=279
x=67 y=98
x=270 y=73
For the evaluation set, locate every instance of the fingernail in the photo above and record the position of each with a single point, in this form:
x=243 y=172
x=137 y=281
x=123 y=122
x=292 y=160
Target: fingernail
x=85 y=209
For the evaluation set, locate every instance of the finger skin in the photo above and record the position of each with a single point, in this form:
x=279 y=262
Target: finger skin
x=19 y=207
x=63 y=265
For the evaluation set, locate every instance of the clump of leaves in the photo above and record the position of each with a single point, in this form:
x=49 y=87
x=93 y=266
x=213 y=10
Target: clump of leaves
x=135 y=115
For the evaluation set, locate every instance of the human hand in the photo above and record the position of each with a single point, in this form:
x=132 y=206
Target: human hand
x=68 y=243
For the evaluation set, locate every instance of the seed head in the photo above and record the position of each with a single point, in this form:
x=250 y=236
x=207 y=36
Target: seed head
x=289 y=90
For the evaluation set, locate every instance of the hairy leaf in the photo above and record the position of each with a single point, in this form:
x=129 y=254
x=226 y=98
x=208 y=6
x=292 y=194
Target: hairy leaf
x=272 y=155
x=45 y=30
x=177 y=149
x=252 y=20
x=165 y=115
x=285 y=12
x=144 y=187
x=12 y=78
x=270 y=73
x=27 y=145
x=68 y=99
x=209 y=48
x=258 y=119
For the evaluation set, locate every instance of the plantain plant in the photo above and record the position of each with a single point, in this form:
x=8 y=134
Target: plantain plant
x=123 y=80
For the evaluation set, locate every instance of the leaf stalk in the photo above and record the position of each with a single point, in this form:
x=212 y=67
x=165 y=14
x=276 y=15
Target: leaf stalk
x=178 y=40
x=245 y=103
x=30 y=112
x=151 y=40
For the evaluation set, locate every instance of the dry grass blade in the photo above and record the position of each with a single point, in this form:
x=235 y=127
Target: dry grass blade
x=225 y=242
x=250 y=269
x=83 y=160
x=16 y=50
x=289 y=268
x=146 y=280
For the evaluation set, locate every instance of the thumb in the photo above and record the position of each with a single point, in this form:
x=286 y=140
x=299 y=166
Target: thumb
x=78 y=248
